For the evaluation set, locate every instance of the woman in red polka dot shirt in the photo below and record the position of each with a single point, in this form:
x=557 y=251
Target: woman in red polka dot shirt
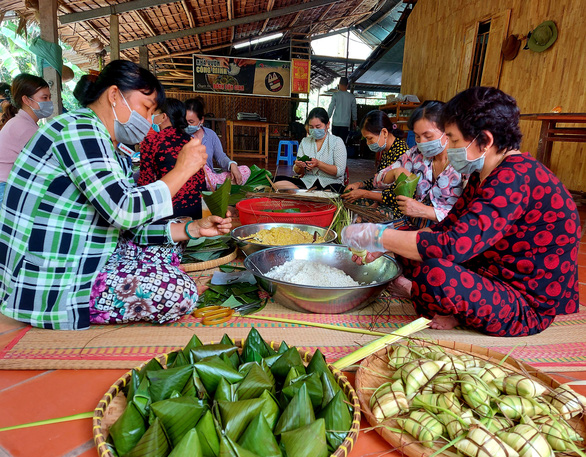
x=504 y=260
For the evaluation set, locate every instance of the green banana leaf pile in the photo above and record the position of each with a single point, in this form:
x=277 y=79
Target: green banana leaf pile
x=208 y=248
x=214 y=401
x=406 y=185
x=257 y=181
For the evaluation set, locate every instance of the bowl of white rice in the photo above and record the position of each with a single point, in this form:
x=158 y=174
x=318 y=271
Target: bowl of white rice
x=320 y=278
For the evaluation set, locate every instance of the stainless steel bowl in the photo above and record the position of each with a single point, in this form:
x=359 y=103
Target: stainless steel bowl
x=246 y=230
x=376 y=275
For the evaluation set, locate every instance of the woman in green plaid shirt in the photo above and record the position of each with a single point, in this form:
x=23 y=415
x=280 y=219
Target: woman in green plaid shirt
x=79 y=242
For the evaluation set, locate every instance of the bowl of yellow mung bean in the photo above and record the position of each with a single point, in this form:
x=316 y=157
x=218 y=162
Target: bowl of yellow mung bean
x=255 y=237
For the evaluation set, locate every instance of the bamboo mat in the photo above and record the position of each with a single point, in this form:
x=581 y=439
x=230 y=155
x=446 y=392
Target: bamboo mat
x=562 y=347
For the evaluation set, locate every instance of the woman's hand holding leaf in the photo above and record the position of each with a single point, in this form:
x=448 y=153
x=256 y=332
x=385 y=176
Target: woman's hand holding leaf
x=192 y=157
x=211 y=226
x=354 y=195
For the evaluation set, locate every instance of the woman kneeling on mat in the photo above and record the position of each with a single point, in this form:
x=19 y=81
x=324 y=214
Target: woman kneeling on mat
x=79 y=242
x=504 y=260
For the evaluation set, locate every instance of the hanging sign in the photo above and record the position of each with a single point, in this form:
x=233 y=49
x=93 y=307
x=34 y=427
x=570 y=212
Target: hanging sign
x=300 y=82
x=241 y=76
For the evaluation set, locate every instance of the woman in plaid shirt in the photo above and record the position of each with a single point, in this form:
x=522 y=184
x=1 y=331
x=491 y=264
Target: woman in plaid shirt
x=79 y=242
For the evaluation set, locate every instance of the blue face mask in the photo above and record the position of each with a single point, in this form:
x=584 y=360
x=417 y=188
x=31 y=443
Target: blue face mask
x=156 y=127
x=317 y=134
x=458 y=157
x=432 y=148
x=191 y=129
x=375 y=147
x=45 y=108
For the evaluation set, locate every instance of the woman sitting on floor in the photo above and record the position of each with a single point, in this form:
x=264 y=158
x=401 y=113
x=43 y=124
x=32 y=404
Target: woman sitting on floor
x=80 y=242
x=327 y=164
x=439 y=186
x=504 y=260
x=158 y=156
x=377 y=128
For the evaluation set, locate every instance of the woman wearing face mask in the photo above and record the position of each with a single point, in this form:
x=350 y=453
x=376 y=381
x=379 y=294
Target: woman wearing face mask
x=385 y=140
x=327 y=153
x=504 y=260
x=195 y=118
x=158 y=155
x=32 y=101
x=80 y=242
x=439 y=186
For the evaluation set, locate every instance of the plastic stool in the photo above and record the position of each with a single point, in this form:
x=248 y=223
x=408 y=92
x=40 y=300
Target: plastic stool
x=286 y=154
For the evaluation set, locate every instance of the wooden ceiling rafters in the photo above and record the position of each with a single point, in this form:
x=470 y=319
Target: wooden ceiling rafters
x=174 y=29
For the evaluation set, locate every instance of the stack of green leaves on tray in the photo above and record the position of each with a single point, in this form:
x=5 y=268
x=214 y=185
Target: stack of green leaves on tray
x=406 y=185
x=257 y=181
x=243 y=295
x=482 y=409
x=208 y=248
x=211 y=400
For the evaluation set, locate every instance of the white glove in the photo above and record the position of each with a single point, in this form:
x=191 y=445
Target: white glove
x=365 y=236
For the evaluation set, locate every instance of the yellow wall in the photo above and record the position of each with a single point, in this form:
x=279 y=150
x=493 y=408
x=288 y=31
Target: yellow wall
x=539 y=81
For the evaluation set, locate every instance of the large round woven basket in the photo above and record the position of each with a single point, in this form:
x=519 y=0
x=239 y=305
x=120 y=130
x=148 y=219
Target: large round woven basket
x=199 y=266
x=374 y=371
x=113 y=403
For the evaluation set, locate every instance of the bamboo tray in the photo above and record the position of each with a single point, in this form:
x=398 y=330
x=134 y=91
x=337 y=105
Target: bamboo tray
x=374 y=371
x=113 y=403
x=199 y=266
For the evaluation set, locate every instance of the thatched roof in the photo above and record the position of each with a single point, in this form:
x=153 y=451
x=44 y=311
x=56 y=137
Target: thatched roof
x=173 y=30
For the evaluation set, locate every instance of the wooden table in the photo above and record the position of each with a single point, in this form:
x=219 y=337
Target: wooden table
x=263 y=146
x=550 y=131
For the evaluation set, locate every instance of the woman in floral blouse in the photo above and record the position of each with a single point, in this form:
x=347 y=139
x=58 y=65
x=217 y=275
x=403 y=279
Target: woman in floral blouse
x=439 y=185
x=158 y=155
x=80 y=243
x=385 y=140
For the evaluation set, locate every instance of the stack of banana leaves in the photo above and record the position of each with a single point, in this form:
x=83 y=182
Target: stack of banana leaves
x=212 y=400
x=482 y=409
x=208 y=248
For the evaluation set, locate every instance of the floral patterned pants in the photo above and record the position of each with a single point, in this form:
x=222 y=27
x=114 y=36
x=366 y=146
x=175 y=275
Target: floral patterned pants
x=142 y=283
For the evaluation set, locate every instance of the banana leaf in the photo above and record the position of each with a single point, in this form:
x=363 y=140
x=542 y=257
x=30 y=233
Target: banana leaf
x=255 y=383
x=304 y=158
x=283 y=348
x=152 y=365
x=180 y=361
x=330 y=388
x=314 y=389
x=178 y=416
x=235 y=416
x=255 y=347
x=127 y=431
x=133 y=384
x=226 y=391
x=207 y=248
x=142 y=397
x=258 y=438
x=293 y=374
x=338 y=421
x=270 y=408
x=195 y=388
x=285 y=362
x=189 y=446
x=163 y=382
x=194 y=342
x=217 y=201
x=208 y=438
x=406 y=186
x=306 y=441
x=298 y=412
x=212 y=369
x=246 y=367
x=171 y=357
x=228 y=448
x=154 y=442
x=210 y=350
x=233 y=360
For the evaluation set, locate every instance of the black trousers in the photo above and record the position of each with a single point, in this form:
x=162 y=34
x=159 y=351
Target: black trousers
x=342 y=132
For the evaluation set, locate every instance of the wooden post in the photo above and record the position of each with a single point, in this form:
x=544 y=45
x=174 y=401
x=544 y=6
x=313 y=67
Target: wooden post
x=114 y=38
x=49 y=32
x=143 y=57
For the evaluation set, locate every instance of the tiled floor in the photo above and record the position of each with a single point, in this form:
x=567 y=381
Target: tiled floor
x=27 y=396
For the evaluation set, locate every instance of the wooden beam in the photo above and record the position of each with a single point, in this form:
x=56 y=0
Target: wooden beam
x=147 y=24
x=191 y=20
x=226 y=24
x=270 y=5
x=50 y=33
x=117 y=8
x=114 y=37
x=143 y=57
x=230 y=8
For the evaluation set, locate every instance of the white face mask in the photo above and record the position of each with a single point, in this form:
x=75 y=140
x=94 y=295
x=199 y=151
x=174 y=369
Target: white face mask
x=458 y=157
x=134 y=130
x=432 y=148
x=45 y=108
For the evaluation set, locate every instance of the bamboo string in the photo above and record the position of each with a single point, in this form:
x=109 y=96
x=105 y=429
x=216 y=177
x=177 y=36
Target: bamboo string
x=73 y=417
